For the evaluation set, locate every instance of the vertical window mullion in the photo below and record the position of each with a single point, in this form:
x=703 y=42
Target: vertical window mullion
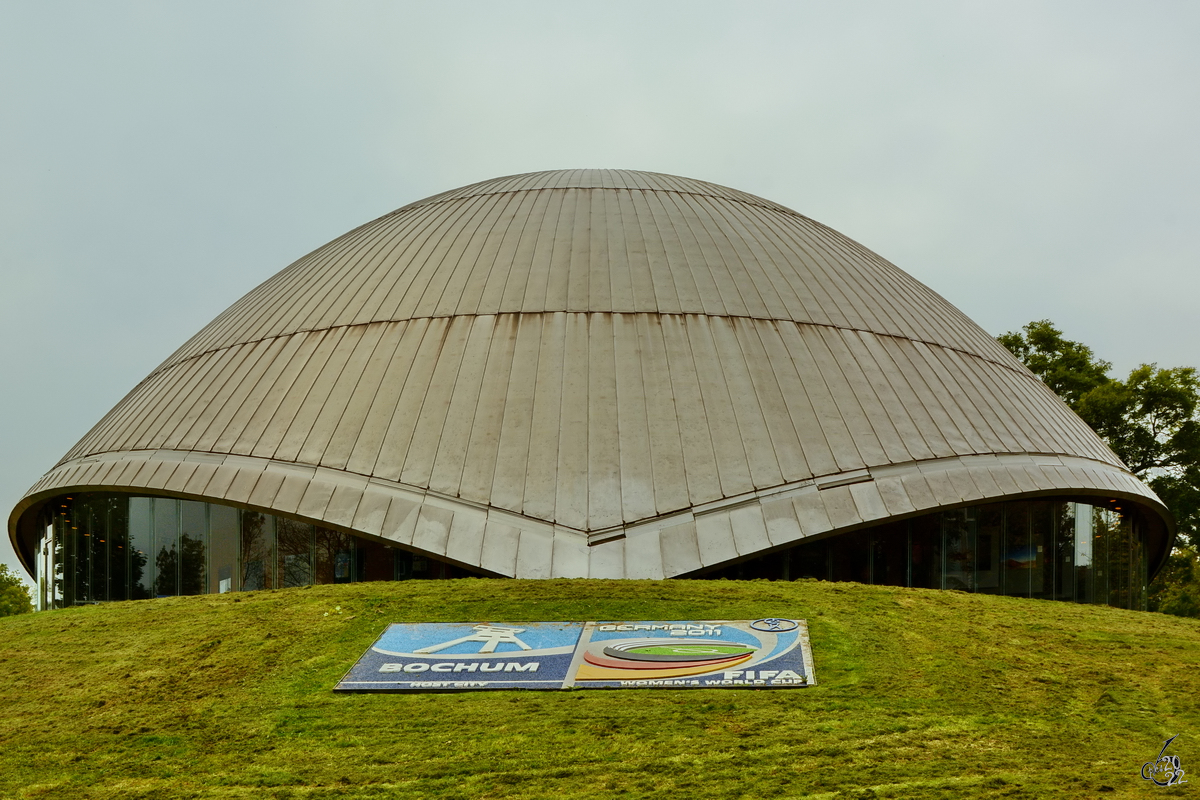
x=908 y=580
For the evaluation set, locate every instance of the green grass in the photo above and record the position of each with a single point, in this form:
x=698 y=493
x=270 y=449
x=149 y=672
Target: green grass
x=921 y=694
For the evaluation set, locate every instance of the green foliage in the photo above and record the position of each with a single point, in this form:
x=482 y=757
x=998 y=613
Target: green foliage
x=1181 y=494
x=1071 y=369
x=920 y=694
x=1176 y=588
x=1150 y=419
x=14 y=595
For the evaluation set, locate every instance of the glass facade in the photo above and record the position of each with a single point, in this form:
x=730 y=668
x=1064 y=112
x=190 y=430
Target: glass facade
x=97 y=547
x=1052 y=549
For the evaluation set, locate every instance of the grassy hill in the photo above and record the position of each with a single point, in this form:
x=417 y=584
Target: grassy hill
x=921 y=694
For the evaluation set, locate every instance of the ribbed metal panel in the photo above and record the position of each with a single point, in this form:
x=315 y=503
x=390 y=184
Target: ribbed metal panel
x=557 y=374
x=638 y=403
x=631 y=247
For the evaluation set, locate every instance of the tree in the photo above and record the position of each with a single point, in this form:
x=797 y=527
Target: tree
x=14 y=594
x=1069 y=368
x=1150 y=421
x=1176 y=588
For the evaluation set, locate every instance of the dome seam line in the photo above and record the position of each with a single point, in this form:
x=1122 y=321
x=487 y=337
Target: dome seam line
x=164 y=367
x=423 y=204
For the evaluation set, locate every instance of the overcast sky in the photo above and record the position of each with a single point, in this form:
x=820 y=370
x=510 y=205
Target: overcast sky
x=1026 y=160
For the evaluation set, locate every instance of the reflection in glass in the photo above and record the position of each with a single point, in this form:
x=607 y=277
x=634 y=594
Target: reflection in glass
x=223 y=541
x=334 y=553
x=117 y=536
x=1019 y=556
x=106 y=546
x=44 y=544
x=402 y=565
x=1118 y=558
x=193 y=518
x=925 y=552
x=166 y=546
x=851 y=555
x=91 y=547
x=1137 y=571
x=958 y=528
x=1044 y=548
x=80 y=524
x=258 y=559
x=989 y=537
x=64 y=535
x=810 y=560
x=97 y=547
x=1041 y=542
x=376 y=562
x=1063 y=556
x=1084 y=582
x=45 y=567
x=889 y=554
x=294 y=543
x=1099 y=556
x=78 y=554
x=140 y=547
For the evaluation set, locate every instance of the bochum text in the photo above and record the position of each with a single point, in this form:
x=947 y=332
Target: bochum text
x=469 y=666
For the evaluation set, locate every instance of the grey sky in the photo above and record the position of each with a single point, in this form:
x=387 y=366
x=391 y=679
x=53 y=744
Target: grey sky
x=1026 y=160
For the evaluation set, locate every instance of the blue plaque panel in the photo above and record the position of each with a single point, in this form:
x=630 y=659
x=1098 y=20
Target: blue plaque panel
x=772 y=653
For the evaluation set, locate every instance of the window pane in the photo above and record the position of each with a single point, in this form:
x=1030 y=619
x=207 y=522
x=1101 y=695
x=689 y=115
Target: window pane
x=223 y=549
x=53 y=559
x=925 y=551
x=98 y=530
x=258 y=551
x=140 y=547
x=1064 y=551
x=117 y=509
x=375 y=561
x=958 y=529
x=1020 y=557
x=83 y=525
x=1084 y=569
x=65 y=533
x=44 y=569
x=1137 y=570
x=1041 y=540
x=404 y=565
x=166 y=546
x=810 y=561
x=989 y=538
x=1100 y=524
x=192 y=545
x=889 y=555
x=851 y=555
x=1119 y=565
x=295 y=552
x=335 y=556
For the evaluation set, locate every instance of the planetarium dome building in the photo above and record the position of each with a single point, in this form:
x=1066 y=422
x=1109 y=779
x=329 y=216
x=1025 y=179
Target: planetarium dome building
x=591 y=373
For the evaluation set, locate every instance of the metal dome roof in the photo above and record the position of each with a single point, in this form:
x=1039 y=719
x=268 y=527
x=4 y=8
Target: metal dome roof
x=592 y=372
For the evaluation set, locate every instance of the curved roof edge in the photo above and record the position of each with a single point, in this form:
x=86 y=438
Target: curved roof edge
x=636 y=180
x=508 y=544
